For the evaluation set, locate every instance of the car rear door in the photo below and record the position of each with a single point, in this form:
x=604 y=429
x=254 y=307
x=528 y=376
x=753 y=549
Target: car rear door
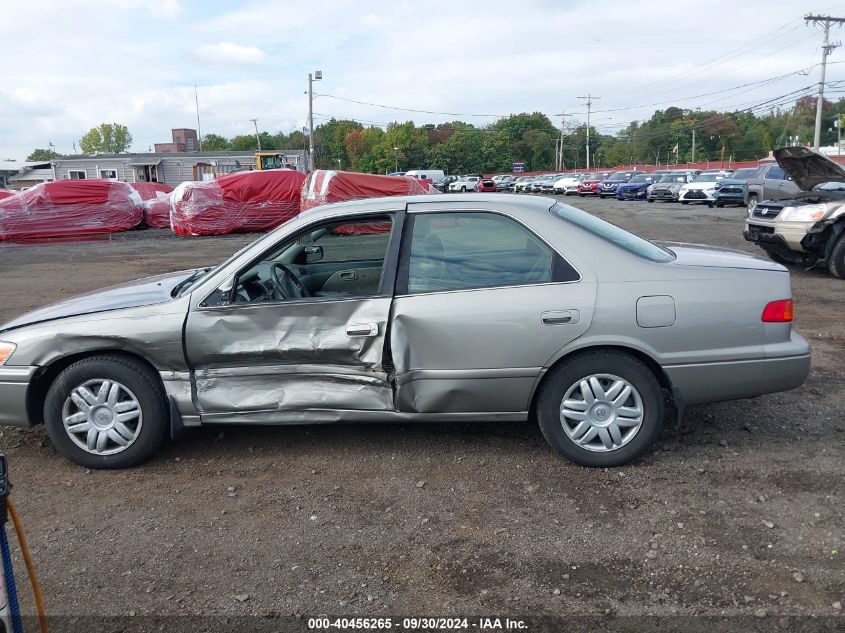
x=261 y=359
x=481 y=304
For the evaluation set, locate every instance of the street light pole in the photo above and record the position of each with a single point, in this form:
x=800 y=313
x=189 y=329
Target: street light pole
x=318 y=74
x=395 y=159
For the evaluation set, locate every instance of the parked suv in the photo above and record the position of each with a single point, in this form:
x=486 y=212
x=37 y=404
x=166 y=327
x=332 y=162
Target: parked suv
x=732 y=190
x=770 y=183
x=608 y=186
x=667 y=188
x=465 y=183
x=809 y=227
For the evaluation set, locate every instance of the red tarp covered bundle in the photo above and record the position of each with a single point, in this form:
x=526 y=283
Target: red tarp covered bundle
x=151 y=190
x=157 y=212
x=324 y=187
x=5 y=193
x=70 y=207
x=238 y=203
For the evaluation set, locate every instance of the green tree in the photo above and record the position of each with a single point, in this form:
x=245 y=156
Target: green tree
x=244 y=142
x=42 y=154
x=215 y=143
x=108 y=138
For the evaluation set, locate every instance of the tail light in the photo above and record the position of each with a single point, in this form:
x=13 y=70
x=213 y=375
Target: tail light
x=778 y=311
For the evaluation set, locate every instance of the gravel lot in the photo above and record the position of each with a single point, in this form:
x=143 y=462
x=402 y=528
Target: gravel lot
x=739 y=513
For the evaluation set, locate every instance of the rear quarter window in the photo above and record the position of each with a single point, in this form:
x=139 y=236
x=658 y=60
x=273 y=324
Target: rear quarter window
x=619 y=237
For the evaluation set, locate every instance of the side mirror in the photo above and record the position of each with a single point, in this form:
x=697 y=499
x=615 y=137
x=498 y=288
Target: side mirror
x=221 y=296
x=313 y=253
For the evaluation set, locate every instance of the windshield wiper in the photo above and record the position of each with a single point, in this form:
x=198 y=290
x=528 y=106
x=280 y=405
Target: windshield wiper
x=178 y=288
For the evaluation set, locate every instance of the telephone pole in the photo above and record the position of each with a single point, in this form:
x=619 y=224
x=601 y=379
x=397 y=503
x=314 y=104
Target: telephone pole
x=559 y=163
x=825 y=21
x=589 y=99
x=257 y=138
x=692 y=160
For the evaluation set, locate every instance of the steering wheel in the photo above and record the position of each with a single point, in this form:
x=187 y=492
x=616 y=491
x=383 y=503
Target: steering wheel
x=286 y=285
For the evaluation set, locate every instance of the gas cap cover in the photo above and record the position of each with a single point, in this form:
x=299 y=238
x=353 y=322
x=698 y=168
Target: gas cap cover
x=656 y=311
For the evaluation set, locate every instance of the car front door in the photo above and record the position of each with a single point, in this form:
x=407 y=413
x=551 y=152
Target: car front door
x=300 y=330
x=482 y=303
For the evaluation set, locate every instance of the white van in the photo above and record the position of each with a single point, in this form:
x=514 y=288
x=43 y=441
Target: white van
x=432 y=174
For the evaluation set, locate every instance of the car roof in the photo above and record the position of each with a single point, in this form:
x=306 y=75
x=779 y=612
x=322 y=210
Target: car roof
x=394 y=203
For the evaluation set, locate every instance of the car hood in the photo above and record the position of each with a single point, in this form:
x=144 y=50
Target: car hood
x=711 y=256
x=147 y=291
x=807 y=167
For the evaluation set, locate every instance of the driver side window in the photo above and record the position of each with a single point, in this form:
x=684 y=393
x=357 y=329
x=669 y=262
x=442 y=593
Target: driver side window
x=338 y=259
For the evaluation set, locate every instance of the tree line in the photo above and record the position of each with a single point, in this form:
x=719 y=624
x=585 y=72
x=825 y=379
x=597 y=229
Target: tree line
x=460 y=147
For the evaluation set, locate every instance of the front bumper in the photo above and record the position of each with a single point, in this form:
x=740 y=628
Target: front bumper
x=785 y=366
x=14 y=385
x=663 y=194
x=695 y=195
x=789 y=234
x=631 y=194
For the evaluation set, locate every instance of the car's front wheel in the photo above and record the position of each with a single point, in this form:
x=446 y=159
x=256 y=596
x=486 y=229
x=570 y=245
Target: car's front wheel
x=600 y=409
x=752 y=203
x=836 y=261
x=106 y=411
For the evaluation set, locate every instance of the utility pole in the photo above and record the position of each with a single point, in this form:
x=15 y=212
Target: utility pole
x=199 y=129
x=589 y=99
x=257 y=138
x=827 y=47
x=562 y=114
x=318 y=74
x=692 y=160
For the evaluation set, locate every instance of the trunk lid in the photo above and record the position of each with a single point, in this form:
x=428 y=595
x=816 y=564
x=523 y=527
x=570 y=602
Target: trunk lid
x=710 y=256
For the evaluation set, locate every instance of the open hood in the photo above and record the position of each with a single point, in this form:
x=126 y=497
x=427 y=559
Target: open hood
x=807 y=167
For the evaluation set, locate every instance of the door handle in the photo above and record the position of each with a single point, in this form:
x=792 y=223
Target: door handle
x=348 y=274
x=362 y=329
x=559 y=317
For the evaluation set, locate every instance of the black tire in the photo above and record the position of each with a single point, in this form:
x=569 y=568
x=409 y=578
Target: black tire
x=752 y=202
x=684 y=201
x=836 y=261
x=649 y=199
x=143 y=383
x=581 y=195
x=779 y=259
x=630 y=369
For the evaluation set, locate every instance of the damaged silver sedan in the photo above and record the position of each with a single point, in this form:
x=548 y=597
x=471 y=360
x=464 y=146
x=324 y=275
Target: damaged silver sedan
x=487 y=308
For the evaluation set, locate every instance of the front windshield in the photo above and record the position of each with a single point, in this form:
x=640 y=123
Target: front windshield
x=618 y=175
x=596 y=176
x=707 y=178
x=673 y=178
x=640 y=178
x=611 y=233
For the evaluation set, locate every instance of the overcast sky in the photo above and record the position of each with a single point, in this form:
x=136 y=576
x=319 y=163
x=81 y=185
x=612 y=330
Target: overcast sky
x=71 y=64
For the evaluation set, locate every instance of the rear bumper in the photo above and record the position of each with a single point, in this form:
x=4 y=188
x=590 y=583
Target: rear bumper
x=14 y=385
x=713 y=382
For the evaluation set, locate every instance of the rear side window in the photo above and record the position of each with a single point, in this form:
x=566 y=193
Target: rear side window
x=461 y=251
x=776 y=173
x=635 y=244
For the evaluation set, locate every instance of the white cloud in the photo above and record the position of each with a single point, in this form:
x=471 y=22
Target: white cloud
x=137 y=64
x=230 y=53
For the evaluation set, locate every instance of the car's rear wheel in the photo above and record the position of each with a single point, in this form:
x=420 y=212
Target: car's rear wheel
x=106 y=411
x=600 y=409
x=836 y=261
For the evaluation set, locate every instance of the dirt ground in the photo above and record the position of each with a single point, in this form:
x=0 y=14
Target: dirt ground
x=740 y=513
